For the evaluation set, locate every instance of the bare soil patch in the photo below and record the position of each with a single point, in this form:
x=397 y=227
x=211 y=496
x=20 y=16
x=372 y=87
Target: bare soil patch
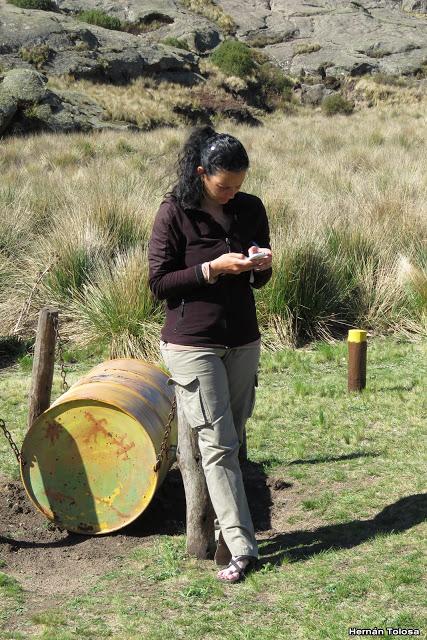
x=62 y=563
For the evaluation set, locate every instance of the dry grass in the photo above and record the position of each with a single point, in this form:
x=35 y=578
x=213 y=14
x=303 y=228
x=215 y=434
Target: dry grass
x=213 y=12
x=91 y=199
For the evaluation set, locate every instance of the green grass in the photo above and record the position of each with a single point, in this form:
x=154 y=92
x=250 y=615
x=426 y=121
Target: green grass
x=100 y=18
x=234 y=58
x=348 y=549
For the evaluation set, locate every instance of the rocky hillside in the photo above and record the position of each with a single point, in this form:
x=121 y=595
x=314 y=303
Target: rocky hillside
x=169 y=39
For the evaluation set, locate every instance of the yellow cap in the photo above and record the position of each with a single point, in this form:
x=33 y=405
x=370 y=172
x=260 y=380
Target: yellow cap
x=357 y=335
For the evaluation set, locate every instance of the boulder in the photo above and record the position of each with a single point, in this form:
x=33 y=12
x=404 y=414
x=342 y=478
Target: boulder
x=59 y=44
x=26 y=105
x=340 y=36
x=312 y=94
x=8 y=108
x=417 y=6
x=26 y=86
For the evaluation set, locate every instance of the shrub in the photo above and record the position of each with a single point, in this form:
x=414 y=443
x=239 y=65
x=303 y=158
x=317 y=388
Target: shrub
x=100 y=19
x=37 y=55
x=273 y=82
x=306 y=48
x=44 y=5
x=176 y=42
x=233 y=58
x=336 y=103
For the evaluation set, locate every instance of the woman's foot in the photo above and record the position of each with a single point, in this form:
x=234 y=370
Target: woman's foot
x=235 y=570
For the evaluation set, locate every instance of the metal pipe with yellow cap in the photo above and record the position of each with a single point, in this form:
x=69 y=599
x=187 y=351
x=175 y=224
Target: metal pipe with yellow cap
x=357 y=351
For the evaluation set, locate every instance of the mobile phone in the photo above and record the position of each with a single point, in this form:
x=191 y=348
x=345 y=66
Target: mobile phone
x=258 y=256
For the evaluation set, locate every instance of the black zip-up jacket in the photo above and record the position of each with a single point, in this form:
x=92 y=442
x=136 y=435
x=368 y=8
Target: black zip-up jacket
x=199 y=313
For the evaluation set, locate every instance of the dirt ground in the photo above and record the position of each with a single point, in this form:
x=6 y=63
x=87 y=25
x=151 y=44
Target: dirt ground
x=63 y=564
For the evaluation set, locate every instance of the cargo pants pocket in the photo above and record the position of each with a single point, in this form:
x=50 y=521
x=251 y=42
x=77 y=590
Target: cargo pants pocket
x=192 y=399
x=253 y=396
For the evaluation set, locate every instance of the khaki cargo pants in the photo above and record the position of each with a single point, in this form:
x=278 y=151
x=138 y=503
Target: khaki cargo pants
x=215 y=387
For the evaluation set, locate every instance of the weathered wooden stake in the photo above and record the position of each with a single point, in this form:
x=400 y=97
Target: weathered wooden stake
x=200 y=513
x=243 y=451
x=357 y=351
x=43 y=365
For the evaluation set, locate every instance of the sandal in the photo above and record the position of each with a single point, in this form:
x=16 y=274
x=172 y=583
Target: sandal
x=242 y=572
x=222 y=554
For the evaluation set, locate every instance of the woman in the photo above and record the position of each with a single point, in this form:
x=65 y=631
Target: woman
x=202 y=237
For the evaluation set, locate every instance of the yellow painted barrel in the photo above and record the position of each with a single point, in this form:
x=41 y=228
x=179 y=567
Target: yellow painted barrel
x=87 y=462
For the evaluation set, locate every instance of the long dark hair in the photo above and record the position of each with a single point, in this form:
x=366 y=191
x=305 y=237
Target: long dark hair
x=211 y=150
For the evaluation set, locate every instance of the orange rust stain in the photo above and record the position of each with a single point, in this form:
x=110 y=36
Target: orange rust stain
x=52 y=431
x=98 y=427
x=119 y=513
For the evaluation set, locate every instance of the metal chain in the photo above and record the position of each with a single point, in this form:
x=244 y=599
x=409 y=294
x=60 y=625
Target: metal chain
x=3 y=427
x=11 y=441
x=60 y=353
x=163 y=449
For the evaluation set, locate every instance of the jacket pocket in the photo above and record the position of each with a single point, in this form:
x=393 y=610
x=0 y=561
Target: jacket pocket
x=180 y=316
x=193 y=401
x=253 y=397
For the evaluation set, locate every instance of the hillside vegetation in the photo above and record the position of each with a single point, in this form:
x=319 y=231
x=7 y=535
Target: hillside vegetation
x=346 y=199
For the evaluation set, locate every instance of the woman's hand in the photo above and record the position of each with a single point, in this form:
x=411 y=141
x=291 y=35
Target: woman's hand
x=235 y=263
x=230 y=263
x=263 y=263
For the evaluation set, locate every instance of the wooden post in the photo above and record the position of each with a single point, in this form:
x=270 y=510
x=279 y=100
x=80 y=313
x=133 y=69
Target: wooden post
x=357 y=350
x=243 y=451
x=200 y=513
x=43 y=365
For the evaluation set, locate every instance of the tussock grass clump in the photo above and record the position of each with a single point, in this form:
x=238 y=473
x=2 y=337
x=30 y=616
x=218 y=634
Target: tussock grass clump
x=37 y=55
x=213 y=12
x=77 y=255
x=100 y=19
x=115 y=306
x=234 y=58
x=172 y=41
x=336 y=103
x=306 y=47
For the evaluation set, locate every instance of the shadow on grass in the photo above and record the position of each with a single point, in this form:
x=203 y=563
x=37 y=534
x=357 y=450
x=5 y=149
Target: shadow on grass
x=12 y=348
x=349 y=456
x=301 y=545
x=166 y=514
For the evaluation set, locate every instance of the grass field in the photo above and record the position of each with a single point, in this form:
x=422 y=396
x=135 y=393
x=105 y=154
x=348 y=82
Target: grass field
x=346 y=531
x=345 y=197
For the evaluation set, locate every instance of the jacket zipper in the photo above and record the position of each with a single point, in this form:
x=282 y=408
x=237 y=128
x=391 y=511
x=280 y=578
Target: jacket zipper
x=182 y=312
x=227 y=241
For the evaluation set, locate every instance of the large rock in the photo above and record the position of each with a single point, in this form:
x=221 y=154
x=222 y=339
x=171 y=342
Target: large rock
x=8 y=108
x=26 y=104
x=339 y=36
x=25 y=85
x=63 y=45
x=418 y=6
x=314 y=94
x=329 y=38
x=157 y=20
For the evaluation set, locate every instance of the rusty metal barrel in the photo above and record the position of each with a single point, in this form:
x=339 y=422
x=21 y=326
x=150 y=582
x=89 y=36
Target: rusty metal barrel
x=88 y=461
